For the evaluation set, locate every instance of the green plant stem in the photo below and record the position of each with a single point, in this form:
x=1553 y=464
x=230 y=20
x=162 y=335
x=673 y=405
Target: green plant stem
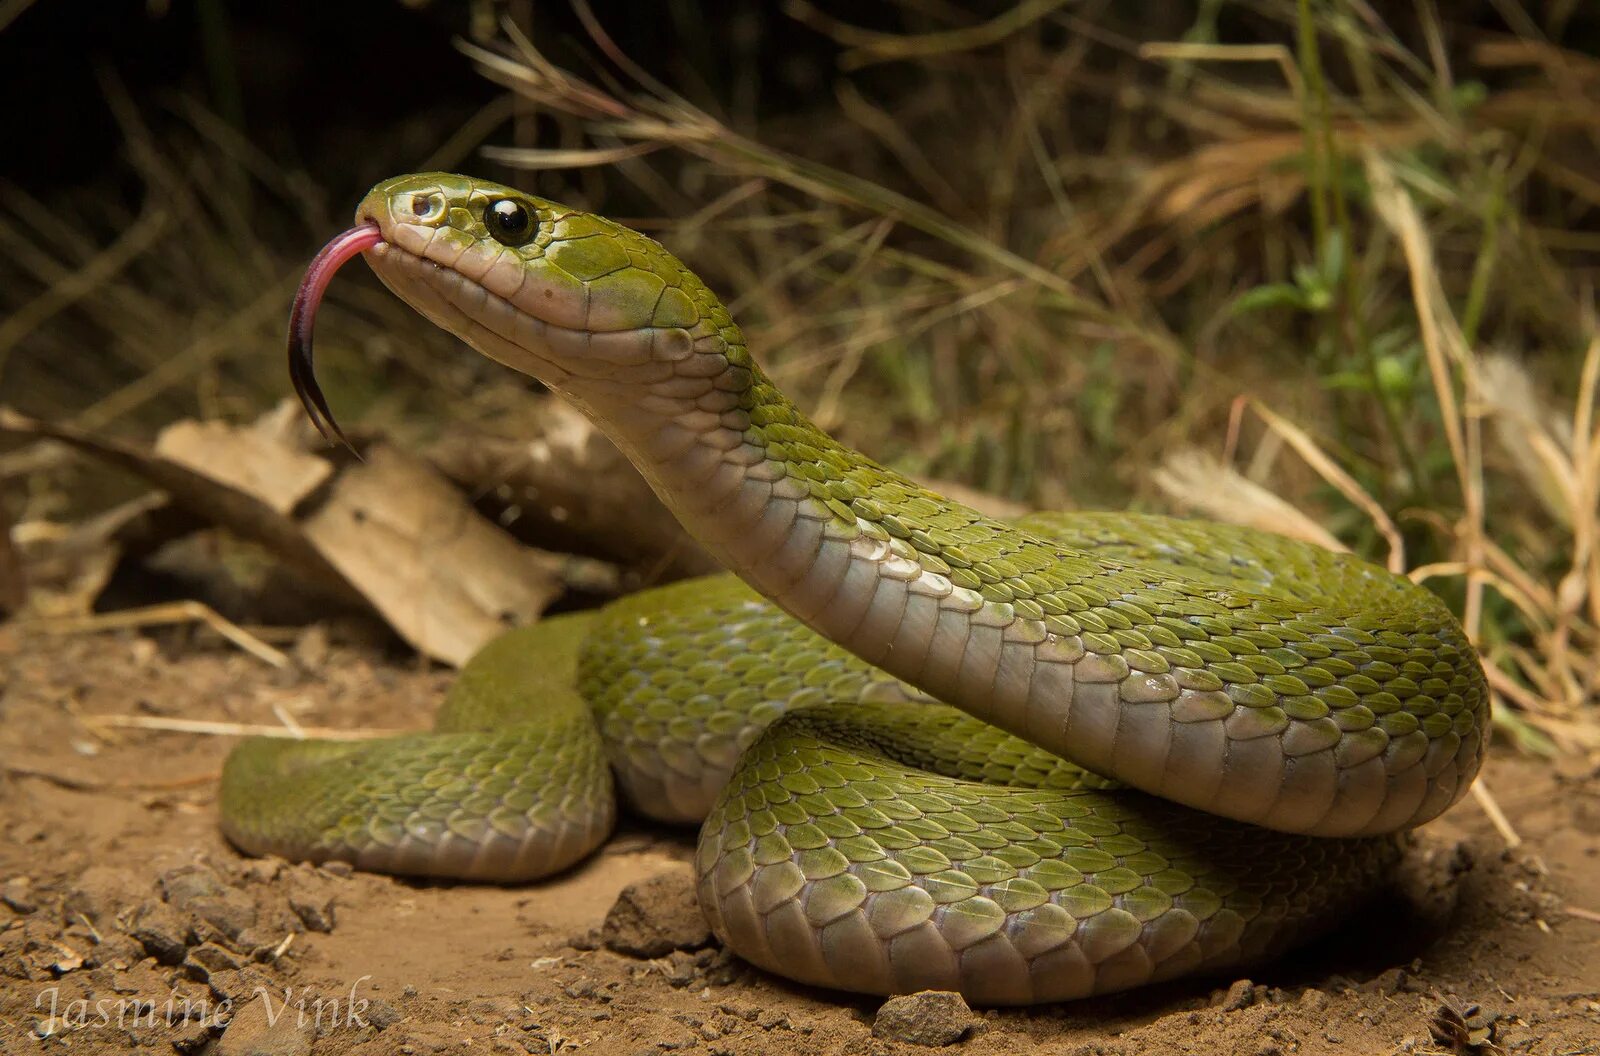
x=1316 y=168
x=1483 y=267
x=1325 y=185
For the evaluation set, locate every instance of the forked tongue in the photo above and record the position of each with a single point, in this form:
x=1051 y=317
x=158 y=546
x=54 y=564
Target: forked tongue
x=303 y=316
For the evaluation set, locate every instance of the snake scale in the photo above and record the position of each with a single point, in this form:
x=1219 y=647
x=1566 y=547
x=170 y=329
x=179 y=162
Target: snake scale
x=1025 y=761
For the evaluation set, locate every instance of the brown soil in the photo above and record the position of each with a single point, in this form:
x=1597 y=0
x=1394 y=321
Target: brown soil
x=119 y=893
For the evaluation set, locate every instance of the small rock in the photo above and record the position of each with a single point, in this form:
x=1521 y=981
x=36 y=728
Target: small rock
x=190 y=1036
x=239 y=986
x=232 y=916
x=339 y=869
x=932 y=1018
x=314 y=910
x=1314 y=1000
x=187 y=883
x=261 y=870
x=24 y=948
x=1240 y=995
x=671 y=1036
x=257 y=1030
x=18 y=894
x=161 y=931
x=66 y=960
x=582 y=988
x=587 y=940
x=720 y=966
x=681 y=968
x=656 y=916
x=114 y=950
x=208 y=959
x=258 y=942
x=381 y=1014
x=198 y=890
x=1387 y=984
x=101 y=892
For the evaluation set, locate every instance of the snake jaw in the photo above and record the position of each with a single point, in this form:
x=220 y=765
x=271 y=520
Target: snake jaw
x=302 y=320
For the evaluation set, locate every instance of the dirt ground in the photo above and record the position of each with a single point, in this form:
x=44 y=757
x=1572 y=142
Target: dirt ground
x=128 y=924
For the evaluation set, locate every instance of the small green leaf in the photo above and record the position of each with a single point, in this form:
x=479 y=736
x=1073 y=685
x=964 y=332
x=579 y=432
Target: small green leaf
x=1358 y=380
x=1273 y=295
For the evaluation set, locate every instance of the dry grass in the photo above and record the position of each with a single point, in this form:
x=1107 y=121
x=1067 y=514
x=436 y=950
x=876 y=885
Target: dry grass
x=1350 y=259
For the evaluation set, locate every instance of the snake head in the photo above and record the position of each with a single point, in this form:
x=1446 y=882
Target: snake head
x=595 y=310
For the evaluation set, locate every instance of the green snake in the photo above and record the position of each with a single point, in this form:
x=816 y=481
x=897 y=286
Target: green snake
x=1026 y=761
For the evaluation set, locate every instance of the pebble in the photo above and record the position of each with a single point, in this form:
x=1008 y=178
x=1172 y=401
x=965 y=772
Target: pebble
x=656 y=916
x=162 y=931
x=381 y=1014
x=1387 y=984
x=1241 y=994
x=208 y=959
x=100 y=892
x=187 y=883
x=314 y=910
x=18 y=894
x=254 y=1031
x=931 y=1018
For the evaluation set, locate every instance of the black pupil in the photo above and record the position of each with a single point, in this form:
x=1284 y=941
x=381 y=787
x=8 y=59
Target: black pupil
x=509 y=222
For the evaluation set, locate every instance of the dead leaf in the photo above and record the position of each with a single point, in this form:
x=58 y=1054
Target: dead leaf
x=208 y=499
x=444 y=577
x=1468 y=1031
x=68 y=565
x=260 y=459
x=392 y=529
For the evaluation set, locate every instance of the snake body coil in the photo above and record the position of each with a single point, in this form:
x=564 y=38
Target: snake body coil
x=858 y=834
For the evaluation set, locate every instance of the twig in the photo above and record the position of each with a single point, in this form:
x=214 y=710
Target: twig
x=172 y=612
x=1330 y=471
x=867 y=47
x=1497 y=817
x=78 y=784
x=217 y=728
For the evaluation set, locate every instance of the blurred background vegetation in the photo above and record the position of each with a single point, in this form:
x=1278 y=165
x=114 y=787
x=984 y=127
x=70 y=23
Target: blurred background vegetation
x=1321 y=265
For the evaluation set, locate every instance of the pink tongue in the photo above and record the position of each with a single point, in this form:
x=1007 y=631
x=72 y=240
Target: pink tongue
x=303 y=316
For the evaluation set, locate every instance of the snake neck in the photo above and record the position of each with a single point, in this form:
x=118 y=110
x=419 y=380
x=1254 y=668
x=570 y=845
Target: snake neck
x=862 y=554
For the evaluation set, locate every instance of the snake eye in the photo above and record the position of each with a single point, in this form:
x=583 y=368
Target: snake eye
x=509 y=222
x=427 y=206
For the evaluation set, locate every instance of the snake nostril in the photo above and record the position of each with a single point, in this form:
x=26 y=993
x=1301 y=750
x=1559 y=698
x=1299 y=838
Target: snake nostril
x=427 y=205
